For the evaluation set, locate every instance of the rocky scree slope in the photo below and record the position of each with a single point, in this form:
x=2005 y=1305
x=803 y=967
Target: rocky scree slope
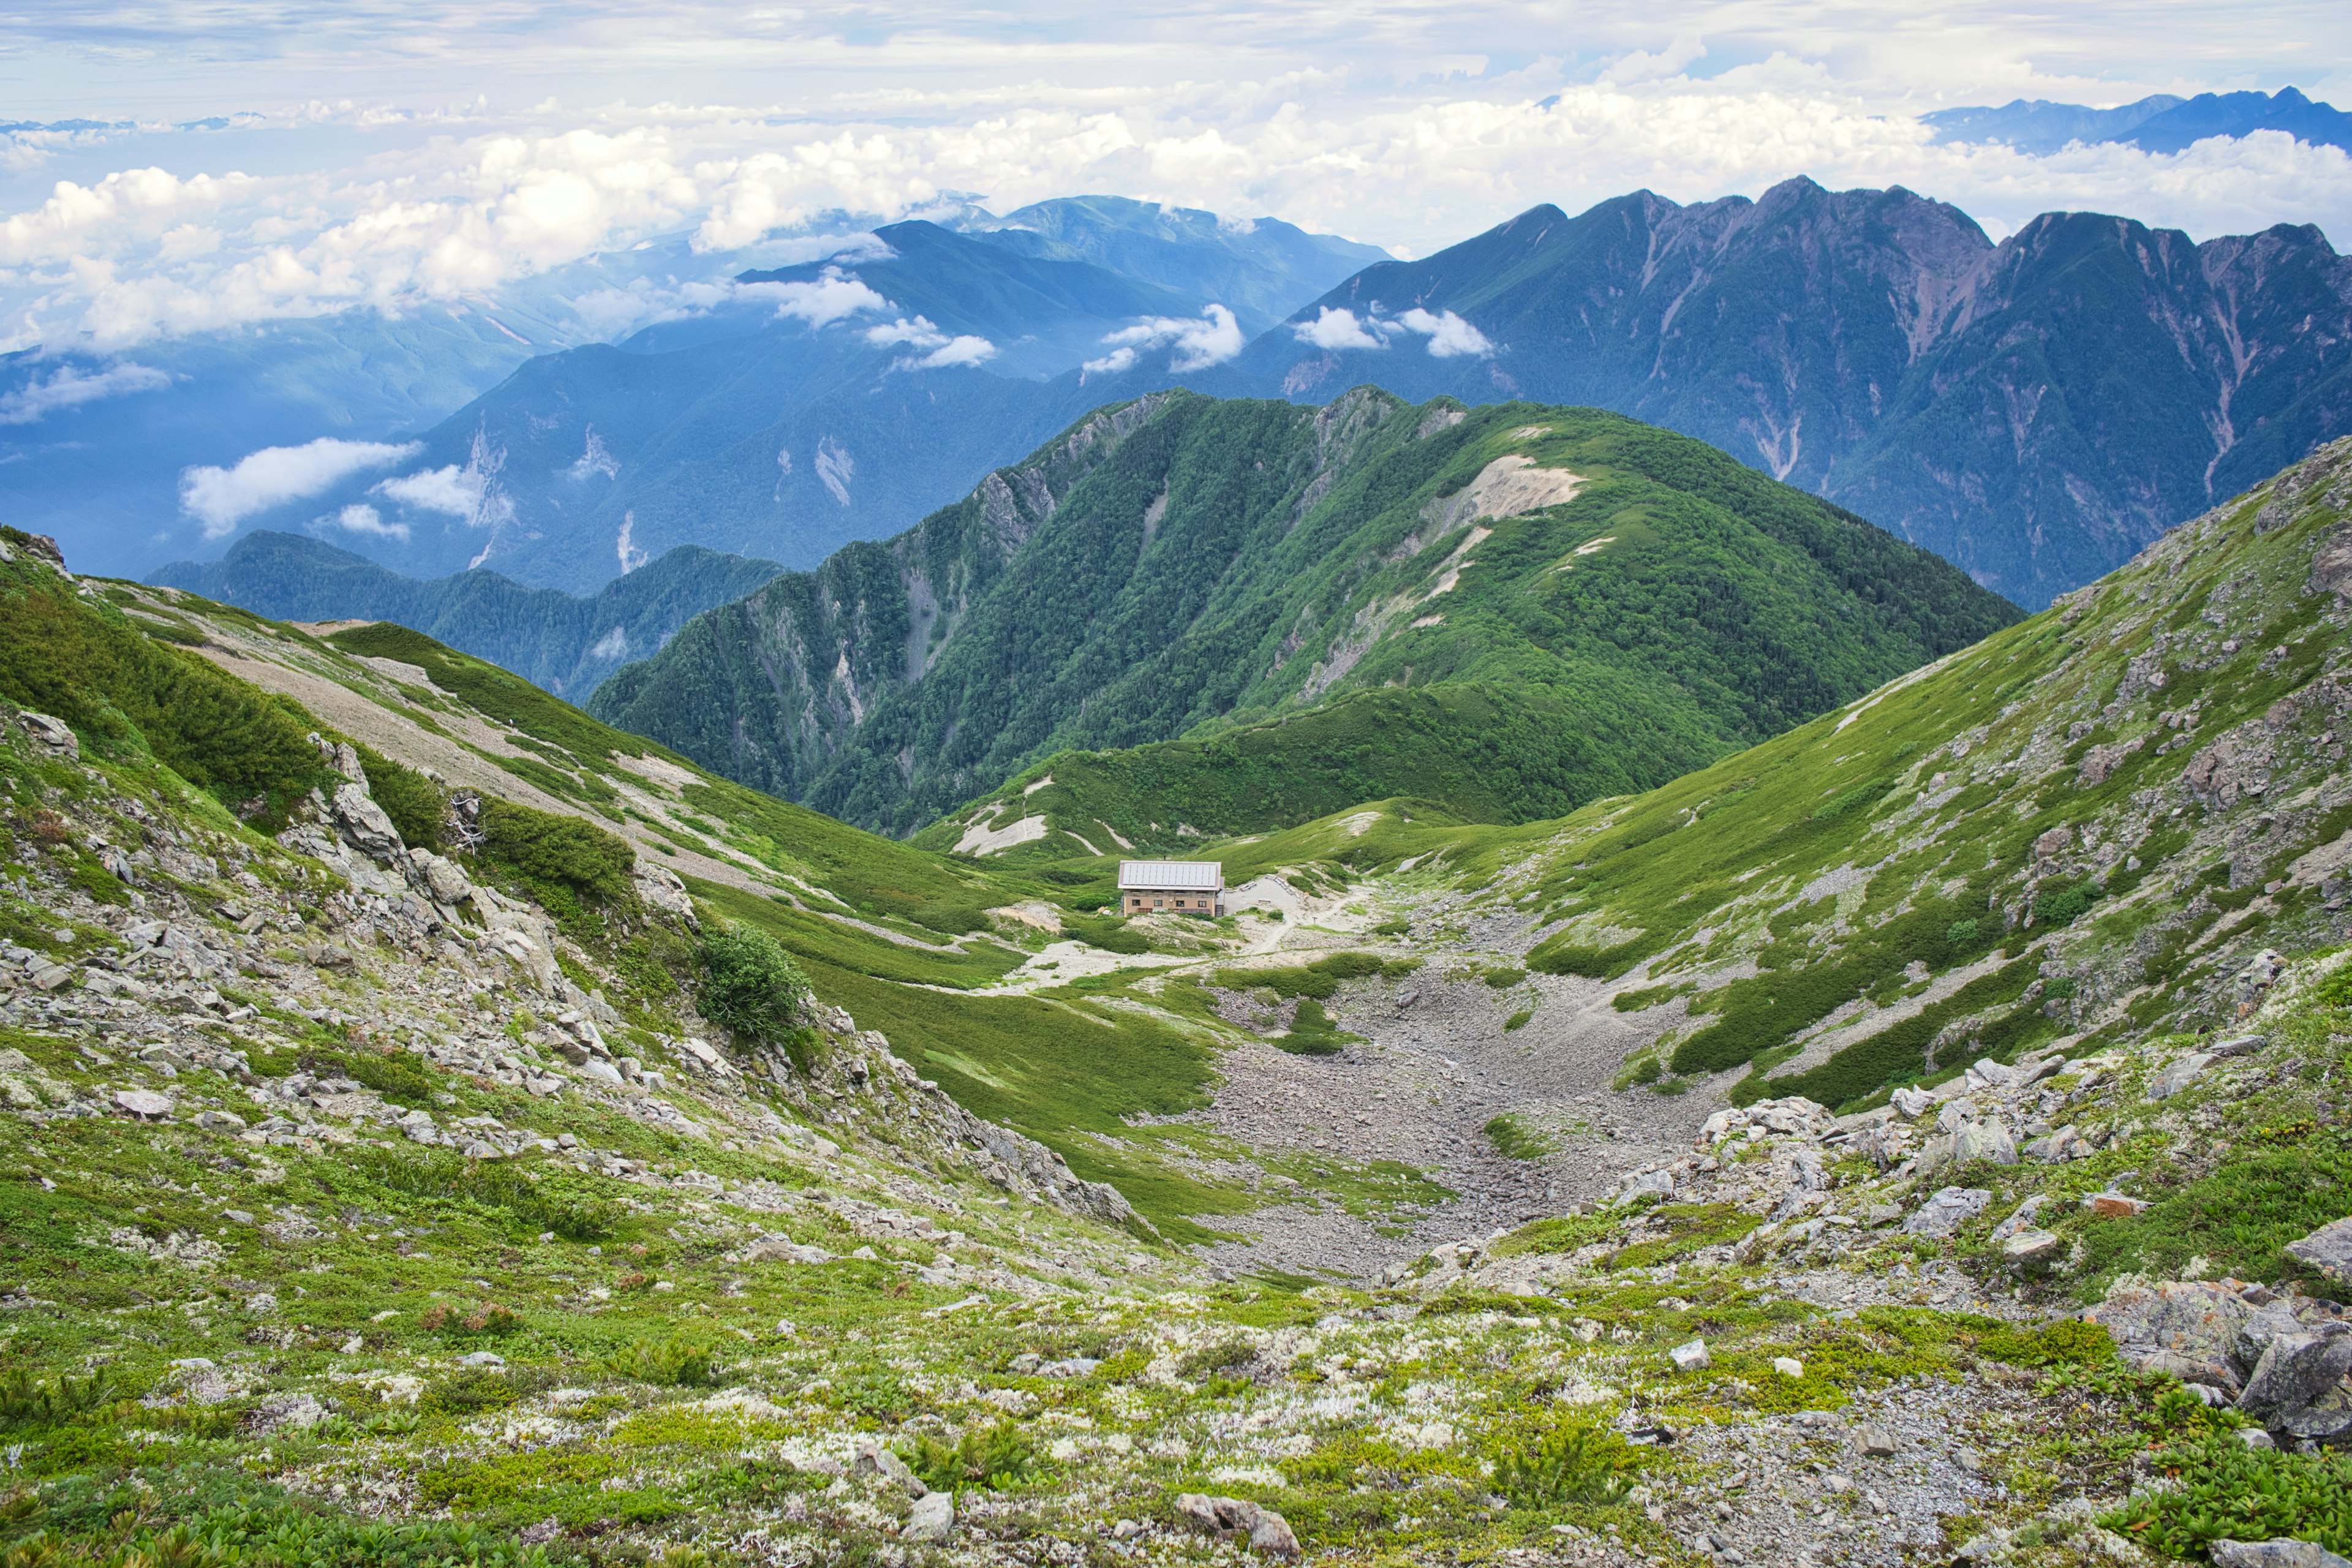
x=2036 y=410
x=1179 y=562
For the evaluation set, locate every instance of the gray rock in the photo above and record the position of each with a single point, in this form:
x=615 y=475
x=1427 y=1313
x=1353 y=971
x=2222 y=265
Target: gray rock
x=1691 y=1357
x=2180 y=1075
x=1272 y=1536
x=144 y=1103
x=2274 y=1554
x=2267 y=1323
x=2032 y=1247
x=300 y=1411
x=1948 y=1209
x=53 y=736
x=490 y=1359
x=2238 y=1045
x=1912 y=1103
x=1987 y=1139
x=2188 y=1327
x=2296 y=1370
x=1873 y=1441
x=447 y=879
x=364 y=822
x=932 y=1519
x=2021 y=1218
x=873 y=1459
x=2327 y=1249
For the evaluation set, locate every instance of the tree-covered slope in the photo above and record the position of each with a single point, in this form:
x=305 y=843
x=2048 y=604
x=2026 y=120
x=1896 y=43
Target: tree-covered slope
x=1180 y=561
x=552 y=638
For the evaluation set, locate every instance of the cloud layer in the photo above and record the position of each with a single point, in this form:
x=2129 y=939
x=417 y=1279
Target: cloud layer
x=1410 y=126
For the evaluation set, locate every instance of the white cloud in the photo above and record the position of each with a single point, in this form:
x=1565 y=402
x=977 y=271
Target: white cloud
x=361 y=518
x=1211 y=338
x=1336 y=328
x=219 y=498
x=454 y=490
x=68 y=387
x=831 y=298
x=1449 y=336
x=946 y=352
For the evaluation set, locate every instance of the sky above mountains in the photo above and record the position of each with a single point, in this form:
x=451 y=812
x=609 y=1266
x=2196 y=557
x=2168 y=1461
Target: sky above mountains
x=183 y=166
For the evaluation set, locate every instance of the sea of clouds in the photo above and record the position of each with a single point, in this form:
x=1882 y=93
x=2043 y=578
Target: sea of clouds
x=1404 y=125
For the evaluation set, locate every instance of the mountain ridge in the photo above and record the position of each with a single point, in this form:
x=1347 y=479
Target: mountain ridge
x=1178 y=560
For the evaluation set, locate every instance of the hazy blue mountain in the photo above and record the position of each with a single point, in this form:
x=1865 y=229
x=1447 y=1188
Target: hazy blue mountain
x=2034 y=411
x=1264 y=268
x=563 y=643
x=795 y=408
x=2159 y=124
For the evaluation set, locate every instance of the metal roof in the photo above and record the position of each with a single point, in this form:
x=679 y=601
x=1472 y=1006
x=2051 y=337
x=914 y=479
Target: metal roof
x=1172 y=876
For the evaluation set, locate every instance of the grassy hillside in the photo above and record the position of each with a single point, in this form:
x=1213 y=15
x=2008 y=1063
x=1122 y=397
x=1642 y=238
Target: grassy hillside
x=2089 y=826
x=1181 y=562
x=1482 y=752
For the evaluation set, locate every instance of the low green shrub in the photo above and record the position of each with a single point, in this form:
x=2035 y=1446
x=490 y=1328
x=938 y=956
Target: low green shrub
x=676 y=1362
x=417 y=806
x=2225 y=1491
x=751 y=985
x=2067 y=906
x=1579 y=1464
x=24 y=1402
x=560 y=860
x=1515 y=1140
x=996 y=1458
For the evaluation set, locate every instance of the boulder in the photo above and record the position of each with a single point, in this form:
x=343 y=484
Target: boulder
x=300 y=1411
x=1948 y=1209
x=1229 y=1519
x=1691 y=1357
x=364 y=822
x=2020 y=1219
x=52 y=737
x=2032 y=1247
x=2228 y=1554
x=932 y=1519
x=1912 y=1103
x=2180 y=1075
x=2296 y=1372
x=2327 y=1249
x=2186 y=1327
x=1987 y=1139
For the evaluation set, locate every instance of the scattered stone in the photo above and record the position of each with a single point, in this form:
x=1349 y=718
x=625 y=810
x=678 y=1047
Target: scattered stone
x=300 y=1411
x=490 y=1359
x=53 y=737
x=143 y=1103
x=1913 y=1103
x=2183 y=1072
x=1948 y=1209
x=1873 y=1441
x=1788 y=1366
x=2229 y=1554
x=873 y=1459
x=2114 y=1205
x=1691 y=1357
x=2327 y=1249
x=932 y=1518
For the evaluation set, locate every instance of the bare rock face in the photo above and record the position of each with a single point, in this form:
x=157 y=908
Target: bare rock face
x=2331 y=566
x=2188 y=1328
x=1232 y=1519
x=2276 y=1554
x=1946 y=1211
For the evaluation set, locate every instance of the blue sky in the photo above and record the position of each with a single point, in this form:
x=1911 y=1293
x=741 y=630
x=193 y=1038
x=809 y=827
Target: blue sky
x=376 y=153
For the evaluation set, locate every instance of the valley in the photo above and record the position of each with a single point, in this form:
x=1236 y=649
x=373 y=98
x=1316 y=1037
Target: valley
x=444 y=1126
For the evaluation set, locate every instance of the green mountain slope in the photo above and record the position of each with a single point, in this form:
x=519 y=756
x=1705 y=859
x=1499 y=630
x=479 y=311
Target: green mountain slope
x=1181 y=561
x=2097 y=826
x=1478 y=751
x=552 y=638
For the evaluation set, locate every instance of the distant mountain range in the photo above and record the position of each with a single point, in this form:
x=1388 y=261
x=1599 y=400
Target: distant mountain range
x=150 y=455
x=565 y=644
x=1180 y=563
x=2162 y=123
x=2035 y=411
